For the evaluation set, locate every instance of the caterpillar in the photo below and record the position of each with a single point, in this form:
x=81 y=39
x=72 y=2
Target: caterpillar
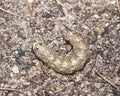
x=68 y=64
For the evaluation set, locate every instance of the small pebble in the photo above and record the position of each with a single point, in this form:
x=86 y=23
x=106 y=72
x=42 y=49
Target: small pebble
x=96 y=16
x=71 y=1
x=30 y=1
x=15 y=69
x=85 y=27
x=23 y=47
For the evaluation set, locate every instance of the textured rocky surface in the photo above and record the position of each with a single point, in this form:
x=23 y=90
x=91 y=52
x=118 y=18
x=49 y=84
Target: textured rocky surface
x=21 y=26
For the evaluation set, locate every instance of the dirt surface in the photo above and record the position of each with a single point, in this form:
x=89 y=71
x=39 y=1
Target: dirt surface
x=22 y=24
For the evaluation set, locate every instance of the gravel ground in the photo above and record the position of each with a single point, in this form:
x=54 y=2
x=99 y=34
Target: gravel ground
x=22 y=24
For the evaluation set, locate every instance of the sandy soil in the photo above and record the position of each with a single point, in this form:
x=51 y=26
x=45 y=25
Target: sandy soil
x=22 y=24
